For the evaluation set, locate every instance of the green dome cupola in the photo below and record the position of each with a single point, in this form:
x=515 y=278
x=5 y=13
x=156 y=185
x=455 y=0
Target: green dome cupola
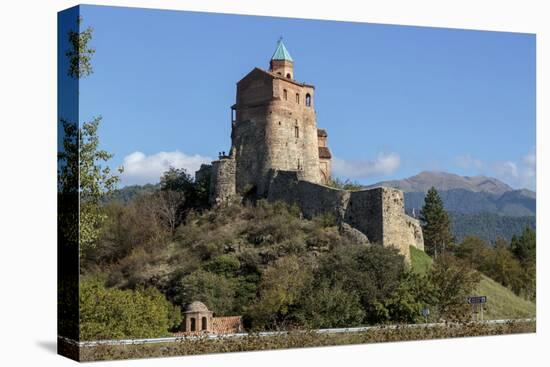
x=281 y=62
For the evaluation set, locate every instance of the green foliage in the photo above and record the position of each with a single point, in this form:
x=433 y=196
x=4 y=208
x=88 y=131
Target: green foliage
x=81 y=169
x=488 y=226
x=474 y=251
x=324 y=306
x=421 y=262
x=524 y=246
x=80 y=54
x=225 y=265
x=338 y=183
x=435 y=224
x=194 y=194
x=217 y=292
x=110 y=313
x=453 y=281
x=502 y=303
x=372 y=272
x=176 y=179
x=512 y=269
x=280 y=290
x=405 y=303
x=502 y=267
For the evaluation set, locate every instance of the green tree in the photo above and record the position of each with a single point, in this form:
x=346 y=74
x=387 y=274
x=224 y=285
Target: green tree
x=453 y=281
x=217 y=292
x=373 y=273
x=323 y=306
x=474 y=251
x=503 y=267
x=436 y=225
x=110 y=313
x=405 y=303
x=524 y=246
x=280 y=290
x=347 y=184
x=80 y=54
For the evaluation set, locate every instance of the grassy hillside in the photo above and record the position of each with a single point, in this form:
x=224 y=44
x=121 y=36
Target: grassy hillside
x=502 y=303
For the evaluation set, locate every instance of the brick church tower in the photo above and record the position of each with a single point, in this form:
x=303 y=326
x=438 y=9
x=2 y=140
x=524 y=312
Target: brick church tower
x=274 y=127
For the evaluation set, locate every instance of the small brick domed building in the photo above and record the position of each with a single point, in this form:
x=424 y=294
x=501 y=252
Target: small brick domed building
x=199 y=319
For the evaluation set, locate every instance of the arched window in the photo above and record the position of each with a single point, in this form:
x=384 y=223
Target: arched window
x=296 y=132
x=193 y=324
x=204 y=323
x=308 y=100
x=285 y=94
x=289 y=76
x=297 y=97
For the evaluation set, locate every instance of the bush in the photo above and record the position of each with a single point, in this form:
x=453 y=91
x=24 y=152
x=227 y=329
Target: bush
x=330 y=307
x=110 y=313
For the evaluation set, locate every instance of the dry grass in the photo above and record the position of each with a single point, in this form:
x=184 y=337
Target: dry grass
x=298 y=340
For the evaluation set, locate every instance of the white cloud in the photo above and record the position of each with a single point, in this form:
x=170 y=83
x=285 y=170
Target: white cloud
x=506 y=169
x=140 y=169
x=530 y=159
x=519 y=174
x=467 y=162
x=384 y=164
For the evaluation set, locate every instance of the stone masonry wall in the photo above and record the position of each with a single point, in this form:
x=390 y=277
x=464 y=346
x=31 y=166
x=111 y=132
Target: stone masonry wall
x=222 y=182
x=378 y=213
x=313 y=199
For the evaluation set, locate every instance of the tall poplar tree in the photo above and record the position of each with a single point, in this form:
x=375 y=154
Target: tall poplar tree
x=436 y=225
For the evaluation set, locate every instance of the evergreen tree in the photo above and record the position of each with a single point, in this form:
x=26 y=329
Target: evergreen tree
x=436 y=225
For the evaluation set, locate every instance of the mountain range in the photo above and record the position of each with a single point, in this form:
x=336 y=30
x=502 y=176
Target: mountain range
x=464 y=194
x=478 y=205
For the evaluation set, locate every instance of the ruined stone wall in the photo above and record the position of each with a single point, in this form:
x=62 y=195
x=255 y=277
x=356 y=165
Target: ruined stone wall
x=416 y=230
x=313 y=199
x=364 y=212
x=222 y=181
x=378 y=213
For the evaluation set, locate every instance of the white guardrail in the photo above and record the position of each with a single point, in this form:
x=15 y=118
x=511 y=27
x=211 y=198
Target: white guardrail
x=272 y=333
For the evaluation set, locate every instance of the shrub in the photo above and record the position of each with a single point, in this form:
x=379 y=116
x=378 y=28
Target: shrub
x=111 y=313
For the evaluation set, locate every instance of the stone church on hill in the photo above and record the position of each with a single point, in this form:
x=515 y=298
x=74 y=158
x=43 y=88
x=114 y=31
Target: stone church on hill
x=278 y=153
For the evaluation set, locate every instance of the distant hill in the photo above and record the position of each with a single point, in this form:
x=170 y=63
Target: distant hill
x=462 y=194
x=444 y=181
x=488 y=226
x=478 y=205
x=127 y=193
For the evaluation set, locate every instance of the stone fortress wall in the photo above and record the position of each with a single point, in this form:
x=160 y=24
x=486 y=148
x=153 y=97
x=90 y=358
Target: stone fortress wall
x=378 y=213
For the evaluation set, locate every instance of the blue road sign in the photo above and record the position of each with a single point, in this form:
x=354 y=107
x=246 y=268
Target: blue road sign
x=477 y=299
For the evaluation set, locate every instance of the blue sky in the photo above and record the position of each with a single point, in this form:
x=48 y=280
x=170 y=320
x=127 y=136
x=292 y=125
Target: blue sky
x=395 y=100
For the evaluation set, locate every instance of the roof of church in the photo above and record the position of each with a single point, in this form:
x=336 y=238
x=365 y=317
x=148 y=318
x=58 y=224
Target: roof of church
x=281 y=53
x=275 y=76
